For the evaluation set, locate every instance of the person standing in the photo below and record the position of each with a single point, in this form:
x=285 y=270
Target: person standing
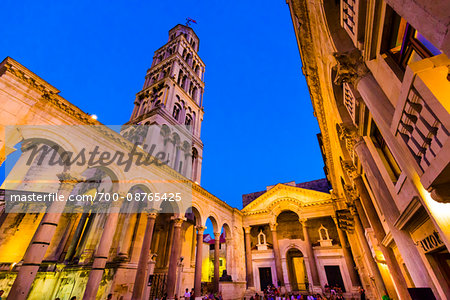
x=187 y=294
x=362 y=293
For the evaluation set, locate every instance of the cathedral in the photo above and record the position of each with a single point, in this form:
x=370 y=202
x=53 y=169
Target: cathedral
x=93 y=212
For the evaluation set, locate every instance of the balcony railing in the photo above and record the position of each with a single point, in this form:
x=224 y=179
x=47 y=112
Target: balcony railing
x=422 y=120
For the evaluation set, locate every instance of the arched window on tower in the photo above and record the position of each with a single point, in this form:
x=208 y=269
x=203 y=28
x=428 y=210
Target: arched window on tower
x=183 y=82
x=188 y=122
x=184 y=53
x=193 y=44
x=176 y=111
x=180 y=76
x=194 y=163
x=194 y=94
x=188 y=58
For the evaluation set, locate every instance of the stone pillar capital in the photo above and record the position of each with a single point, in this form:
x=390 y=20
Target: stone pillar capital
x=346 y=131
x=304 y=222
x=200 y=229
x=68 y=180
x=358 y=142
x=247 y=229
x=350 y=67
x=217 y=236
x=273 y=226
x=114 y=206
x=177 y=222
x=78 y=209
x=152 y=213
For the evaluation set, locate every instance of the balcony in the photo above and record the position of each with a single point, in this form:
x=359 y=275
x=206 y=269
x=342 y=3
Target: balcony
x=422 y=120
x=353 y=11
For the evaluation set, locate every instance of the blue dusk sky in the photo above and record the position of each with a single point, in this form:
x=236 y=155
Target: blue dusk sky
x=258 y=127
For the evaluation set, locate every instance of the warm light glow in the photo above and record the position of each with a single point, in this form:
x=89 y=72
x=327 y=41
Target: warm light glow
x=94 y=117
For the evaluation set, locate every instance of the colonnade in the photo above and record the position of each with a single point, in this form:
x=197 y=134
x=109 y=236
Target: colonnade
x=46 y=230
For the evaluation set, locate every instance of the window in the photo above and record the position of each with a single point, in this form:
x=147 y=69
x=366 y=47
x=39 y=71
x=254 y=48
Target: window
x=188 y=121
x=385 y=153
x=180 y=76
x=176 y=111
x=403 y=43
x=183 y=82
x=188 y=58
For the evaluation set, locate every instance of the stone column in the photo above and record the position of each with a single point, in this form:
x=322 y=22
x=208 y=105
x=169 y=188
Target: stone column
x=351 y=68
x=391 y=262
x=248 y=259
x=310 y=254
x=359 y=230
x=127 y=234
x=347 y=256
x=198 y=263
x=193 y=247
x=276 y=254
x=101 y=255
x=229 y=255
x=76 y=237
x=216 y=260
x=174 y=257
x=405 y=244
x=41 y=240
x=141 y=272
x=69 y=225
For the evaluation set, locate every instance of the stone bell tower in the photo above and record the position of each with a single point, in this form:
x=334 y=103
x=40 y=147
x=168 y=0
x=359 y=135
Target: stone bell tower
x=173 y=95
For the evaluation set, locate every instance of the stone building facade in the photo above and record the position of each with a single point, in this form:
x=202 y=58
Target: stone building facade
x=143 y=254
x=378 y=74
x=381 y=226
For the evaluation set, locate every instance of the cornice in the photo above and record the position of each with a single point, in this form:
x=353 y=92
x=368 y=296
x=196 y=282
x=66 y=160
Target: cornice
x=294 y=189
x=300 y=204
x=49 y=93
x=308 y=54
x=15 y=68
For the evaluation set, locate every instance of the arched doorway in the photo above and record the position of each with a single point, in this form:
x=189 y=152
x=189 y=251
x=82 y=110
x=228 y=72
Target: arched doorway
x=298 y=278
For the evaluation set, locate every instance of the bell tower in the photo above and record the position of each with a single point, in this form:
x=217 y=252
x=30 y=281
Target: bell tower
x=173 y=95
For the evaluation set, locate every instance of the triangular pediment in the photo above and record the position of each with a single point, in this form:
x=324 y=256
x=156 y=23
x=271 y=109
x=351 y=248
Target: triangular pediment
x=292 y=195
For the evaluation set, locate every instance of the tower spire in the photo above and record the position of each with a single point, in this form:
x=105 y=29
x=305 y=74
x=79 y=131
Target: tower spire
x=173 y=95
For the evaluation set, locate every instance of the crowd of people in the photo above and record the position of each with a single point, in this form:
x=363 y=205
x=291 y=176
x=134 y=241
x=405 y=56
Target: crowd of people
x=189 y=295
x=331 y=293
